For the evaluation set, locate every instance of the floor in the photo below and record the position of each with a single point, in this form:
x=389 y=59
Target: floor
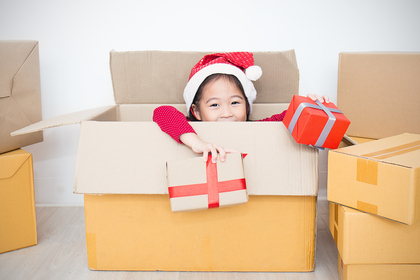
x=61 y=254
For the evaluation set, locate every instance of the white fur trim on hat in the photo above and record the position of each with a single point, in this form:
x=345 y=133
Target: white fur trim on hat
x=253 y=72
x=219 y=68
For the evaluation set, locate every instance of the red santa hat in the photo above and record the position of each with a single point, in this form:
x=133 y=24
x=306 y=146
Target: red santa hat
x=239 y=64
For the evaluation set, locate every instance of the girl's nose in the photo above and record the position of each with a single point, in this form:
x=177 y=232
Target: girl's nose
x=227 y=113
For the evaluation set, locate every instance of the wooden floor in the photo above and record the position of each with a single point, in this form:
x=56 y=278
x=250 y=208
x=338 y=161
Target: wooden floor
x=61 y=254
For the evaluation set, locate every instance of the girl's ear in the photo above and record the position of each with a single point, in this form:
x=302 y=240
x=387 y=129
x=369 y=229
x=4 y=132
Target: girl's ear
x=195 y=112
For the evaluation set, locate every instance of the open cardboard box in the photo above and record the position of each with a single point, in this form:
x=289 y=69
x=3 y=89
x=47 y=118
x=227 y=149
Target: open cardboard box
x=121 y=170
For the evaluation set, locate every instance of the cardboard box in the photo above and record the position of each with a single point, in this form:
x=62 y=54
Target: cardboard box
x=377 y=271
x=316 y=124
x=380 y=93
x=121 y=169
x=20 y=93
x=197 y=185
x=380 y=177
x=17 y=201
x=140 y=232
x=363 y=238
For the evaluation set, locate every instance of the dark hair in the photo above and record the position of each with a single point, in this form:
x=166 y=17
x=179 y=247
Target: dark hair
x=214 y=77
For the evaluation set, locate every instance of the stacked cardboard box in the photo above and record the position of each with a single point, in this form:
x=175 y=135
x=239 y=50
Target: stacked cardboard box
x=371 y=247
x=121 y=170
x=374 y=187
x=20 y=105
x=17 y=201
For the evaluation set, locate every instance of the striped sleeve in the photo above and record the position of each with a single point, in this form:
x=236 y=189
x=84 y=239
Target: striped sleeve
x=172 y=122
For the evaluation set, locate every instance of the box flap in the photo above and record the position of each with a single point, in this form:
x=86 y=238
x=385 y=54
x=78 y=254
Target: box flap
x=403 y=149
x=67 y=119
x=161 y=76
x=11 y=162
x=131 y=161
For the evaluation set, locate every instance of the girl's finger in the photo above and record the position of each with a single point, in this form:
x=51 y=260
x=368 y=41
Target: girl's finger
x=213 y=154
x=222 y=154
x=205 y=155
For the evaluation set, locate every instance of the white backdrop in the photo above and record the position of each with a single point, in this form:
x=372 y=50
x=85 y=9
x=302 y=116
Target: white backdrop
x=76 y=37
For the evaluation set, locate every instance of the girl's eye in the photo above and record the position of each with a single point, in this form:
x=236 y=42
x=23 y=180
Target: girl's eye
x=235 y=103
x=214 y=105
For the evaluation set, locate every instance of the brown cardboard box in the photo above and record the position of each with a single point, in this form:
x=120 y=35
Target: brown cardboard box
x=140 y=232
x=377 y=271
x=379 y=92
x=381 y=177
x=121 y=169
x=363 y=238
x=20 y=93
x=17 y=202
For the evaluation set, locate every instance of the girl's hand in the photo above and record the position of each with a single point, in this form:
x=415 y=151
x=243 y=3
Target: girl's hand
x=199 y=146
x=321 y=99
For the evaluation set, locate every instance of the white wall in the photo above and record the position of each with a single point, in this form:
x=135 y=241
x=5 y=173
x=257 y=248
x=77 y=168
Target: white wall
x=76 y=37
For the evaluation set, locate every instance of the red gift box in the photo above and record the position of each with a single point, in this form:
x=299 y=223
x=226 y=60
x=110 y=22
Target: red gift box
x=198 y=185
x=316 y=124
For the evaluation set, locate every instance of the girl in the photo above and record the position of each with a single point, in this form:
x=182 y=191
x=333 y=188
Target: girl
x=219 y=89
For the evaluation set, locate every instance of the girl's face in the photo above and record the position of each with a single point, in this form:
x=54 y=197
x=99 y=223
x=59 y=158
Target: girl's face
x=221 y=101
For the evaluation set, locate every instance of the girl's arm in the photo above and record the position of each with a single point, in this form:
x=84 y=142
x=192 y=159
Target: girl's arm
x=172 y=122
x=175 y=124
x=275 y=118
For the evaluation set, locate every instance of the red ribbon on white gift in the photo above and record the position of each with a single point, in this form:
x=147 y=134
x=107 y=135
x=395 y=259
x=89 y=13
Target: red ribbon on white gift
x=212 y=187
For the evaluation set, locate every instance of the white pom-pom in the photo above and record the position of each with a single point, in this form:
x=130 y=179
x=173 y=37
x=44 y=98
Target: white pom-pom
x=253 y=72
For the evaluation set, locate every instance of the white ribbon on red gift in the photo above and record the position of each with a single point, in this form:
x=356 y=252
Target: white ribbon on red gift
x=328 y=126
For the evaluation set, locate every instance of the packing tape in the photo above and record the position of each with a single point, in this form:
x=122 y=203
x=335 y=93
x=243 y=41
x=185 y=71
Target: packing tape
x=367 y=207
x=394 y=151
x=367 y=171
x=328 y=126
x=91 y=250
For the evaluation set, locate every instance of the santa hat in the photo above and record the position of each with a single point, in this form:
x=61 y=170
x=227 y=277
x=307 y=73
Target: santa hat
x=239 y=64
